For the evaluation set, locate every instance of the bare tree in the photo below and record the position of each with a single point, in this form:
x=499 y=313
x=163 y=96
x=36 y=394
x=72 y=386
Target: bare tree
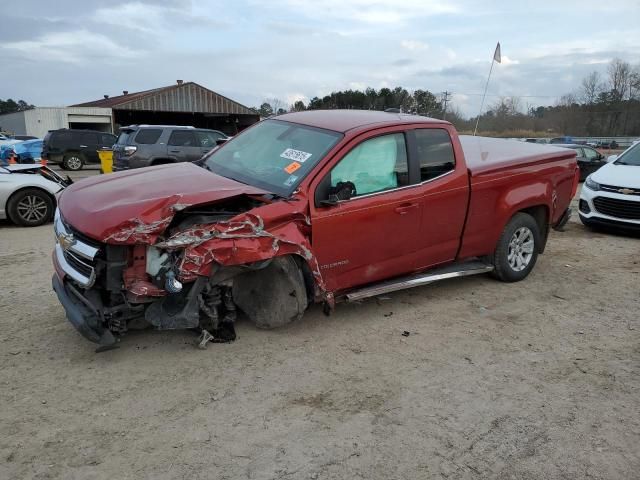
x=279 y=106
x=619 y=79
x=591 y=88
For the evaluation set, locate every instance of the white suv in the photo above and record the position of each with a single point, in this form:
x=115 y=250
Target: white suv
x=611 y=195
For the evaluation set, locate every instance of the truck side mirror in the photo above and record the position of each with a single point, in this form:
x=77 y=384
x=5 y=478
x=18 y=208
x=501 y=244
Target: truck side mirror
x=612 y=158
x=342 y=191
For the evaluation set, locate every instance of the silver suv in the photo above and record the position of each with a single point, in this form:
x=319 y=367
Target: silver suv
x=146 y=145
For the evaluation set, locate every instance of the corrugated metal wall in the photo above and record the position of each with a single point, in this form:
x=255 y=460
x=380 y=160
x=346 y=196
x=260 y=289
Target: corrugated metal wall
x=40 y=120
x=187 y=98
x=13 y=123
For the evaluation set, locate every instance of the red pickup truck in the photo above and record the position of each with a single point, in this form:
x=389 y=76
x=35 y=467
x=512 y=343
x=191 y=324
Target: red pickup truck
x=317 y=206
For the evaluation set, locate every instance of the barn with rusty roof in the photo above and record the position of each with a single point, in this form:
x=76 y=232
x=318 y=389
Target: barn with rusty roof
x=184 y=103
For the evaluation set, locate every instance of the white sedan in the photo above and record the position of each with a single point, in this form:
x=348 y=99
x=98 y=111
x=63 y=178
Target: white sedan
x=611 y=195
x=28 y=193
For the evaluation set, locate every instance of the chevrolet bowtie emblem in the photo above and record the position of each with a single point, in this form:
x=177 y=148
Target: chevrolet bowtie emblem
x=66 y=241
x=626 y=191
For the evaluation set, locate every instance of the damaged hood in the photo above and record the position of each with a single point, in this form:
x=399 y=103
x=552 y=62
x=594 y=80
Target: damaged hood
x=138 y=205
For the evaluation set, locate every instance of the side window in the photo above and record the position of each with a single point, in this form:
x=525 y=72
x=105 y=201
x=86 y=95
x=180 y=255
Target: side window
x=590 y=154
x=89 y=139
x=435 y=153
x=182 y=138
x=107 y=140
x=207 y=139
x=148 y=136
x=62 y=139
x=375 y=165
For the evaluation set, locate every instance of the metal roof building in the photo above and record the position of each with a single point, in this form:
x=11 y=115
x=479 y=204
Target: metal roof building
x=185 y=103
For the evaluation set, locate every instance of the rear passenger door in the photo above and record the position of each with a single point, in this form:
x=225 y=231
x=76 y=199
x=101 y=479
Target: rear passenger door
x=444 y=194
x=183 y=146
x=89 y=146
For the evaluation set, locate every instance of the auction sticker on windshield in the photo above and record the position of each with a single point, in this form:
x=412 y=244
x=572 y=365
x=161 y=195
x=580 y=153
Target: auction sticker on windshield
x=292 y=167
x=296 y=155
x=291 y=180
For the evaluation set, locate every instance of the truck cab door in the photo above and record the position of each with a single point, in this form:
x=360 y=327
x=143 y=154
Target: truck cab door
x=444 y=194
x=183 y=146
x=372 y=234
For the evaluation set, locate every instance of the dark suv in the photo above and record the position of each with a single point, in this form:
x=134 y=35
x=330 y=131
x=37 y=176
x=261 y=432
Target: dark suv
x=146 y=145
x=74 y=148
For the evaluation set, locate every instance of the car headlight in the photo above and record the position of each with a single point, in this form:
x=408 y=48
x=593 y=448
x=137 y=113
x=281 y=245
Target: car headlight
x=591 y=185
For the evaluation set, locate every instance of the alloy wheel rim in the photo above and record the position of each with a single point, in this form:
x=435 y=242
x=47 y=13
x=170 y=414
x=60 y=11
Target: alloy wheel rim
x=32 y=208
x=74 y=163
x=521 y=247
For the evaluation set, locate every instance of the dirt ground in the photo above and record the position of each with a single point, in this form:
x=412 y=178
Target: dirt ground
x=535 y=380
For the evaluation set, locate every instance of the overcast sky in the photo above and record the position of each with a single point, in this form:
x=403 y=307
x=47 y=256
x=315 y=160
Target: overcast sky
x=70 y=51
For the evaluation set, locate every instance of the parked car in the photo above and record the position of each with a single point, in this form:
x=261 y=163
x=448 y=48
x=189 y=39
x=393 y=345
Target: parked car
x=148 y=145
x=315 y=206
x=564 y=140
x=7 y=140
x=27 y=193
x=28 y=151
x=611 y=196
x=589 y=159
x=604 y=144
x=73 y=149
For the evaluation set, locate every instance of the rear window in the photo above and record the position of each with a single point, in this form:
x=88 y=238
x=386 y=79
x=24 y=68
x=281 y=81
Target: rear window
x=435 y=153
x=148 y=136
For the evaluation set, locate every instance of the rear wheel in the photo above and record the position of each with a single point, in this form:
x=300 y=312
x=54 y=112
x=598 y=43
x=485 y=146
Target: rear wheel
x=73 y=161
x=517 y=250
x=30 y=207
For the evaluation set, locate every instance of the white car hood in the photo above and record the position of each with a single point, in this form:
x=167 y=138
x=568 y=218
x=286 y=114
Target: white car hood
x=618 y=175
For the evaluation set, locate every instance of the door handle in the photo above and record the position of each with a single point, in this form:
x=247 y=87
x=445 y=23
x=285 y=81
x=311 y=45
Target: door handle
x=83 y=146
x=174 y=151
x=405 y=208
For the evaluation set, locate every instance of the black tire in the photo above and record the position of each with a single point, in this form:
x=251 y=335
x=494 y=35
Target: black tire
x=30 y=207
x=73 y=162
x=517 y=250
x=273 y=296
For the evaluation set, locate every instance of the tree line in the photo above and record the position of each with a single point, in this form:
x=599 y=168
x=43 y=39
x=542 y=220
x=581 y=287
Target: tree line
x=601 y=105
x=11 y=106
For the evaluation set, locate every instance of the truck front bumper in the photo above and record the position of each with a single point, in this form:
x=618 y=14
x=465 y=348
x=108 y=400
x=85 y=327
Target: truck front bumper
x=82 y=315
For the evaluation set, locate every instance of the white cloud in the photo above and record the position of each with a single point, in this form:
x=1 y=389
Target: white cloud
x=71 y=47
x=370 y=11
x=134 y=16
x=508 y=61
x=292 y=98
x=414 y=45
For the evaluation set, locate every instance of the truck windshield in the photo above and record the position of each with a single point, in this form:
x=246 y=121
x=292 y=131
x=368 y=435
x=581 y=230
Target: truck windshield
x=630 y=157
x=273 y=155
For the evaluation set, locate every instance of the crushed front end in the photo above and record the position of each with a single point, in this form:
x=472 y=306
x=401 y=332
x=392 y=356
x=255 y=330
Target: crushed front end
x=187 y=270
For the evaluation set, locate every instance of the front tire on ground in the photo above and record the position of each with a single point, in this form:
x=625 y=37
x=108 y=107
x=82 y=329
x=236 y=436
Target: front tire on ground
x=30 y=207
x=73 y=162
x=517 y=250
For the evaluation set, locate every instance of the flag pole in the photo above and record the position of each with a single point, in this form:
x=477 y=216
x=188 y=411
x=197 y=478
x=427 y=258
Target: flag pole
x=497 y=54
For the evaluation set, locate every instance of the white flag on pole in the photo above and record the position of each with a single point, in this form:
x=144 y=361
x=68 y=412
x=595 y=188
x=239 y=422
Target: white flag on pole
x=496 y=55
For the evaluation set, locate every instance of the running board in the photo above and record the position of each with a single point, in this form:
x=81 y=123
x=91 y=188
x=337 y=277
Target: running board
x=451 y=271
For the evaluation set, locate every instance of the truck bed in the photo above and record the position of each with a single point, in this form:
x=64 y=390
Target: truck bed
x=486 y=155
